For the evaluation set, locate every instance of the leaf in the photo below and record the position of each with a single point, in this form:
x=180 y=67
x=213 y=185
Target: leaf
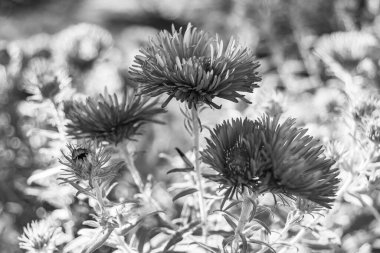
x=126 y=230
x=206 y=247
x=233 y=203
x=91 y=223
x=261 y=243
x=173 y=241
x=99 y=240
x=318 y=246
x=184 y=193
x=175 y=170
x=263 y=225
x=230 y=221
x=184 y=158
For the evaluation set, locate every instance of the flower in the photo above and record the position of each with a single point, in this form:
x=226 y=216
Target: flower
x=346 y=48
x=235 y=157
x=373 y=130
x=39 y=237
x=195 y=68
x=88 y=162
x=105 y=118
x=263 y=156
x=366 y=108
x=83 y=44
x=43 y=77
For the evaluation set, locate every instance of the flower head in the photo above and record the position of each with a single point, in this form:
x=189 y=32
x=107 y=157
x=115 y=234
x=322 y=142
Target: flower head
x=83 y=44
x=234 y=151
x=88 y=162
x=39 y=237
x=42 y=77
x=346 y=48
x=195 y=68
x=367 y=108
x=104 y=117
x=263 y=155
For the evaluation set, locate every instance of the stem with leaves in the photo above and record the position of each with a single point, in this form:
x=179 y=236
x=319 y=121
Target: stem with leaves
x=201 y=194
x=246 y=210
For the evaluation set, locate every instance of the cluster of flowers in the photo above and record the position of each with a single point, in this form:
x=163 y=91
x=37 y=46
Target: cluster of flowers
x=261 y=155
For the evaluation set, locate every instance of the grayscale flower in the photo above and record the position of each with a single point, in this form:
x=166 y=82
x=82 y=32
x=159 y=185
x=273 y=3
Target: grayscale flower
x=105 y=118
x=39 y=237
x=263 y=156
x=194 y=67
x=43 y=78
x=346 y=48
x=83 y=44
x=88 y=162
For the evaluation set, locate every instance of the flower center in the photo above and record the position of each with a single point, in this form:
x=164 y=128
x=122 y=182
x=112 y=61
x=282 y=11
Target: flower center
x=237 y=160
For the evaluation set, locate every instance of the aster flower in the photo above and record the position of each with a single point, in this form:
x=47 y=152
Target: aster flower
x=263 y=155
x=235 y=157
x=39 y=237
x=42 y=77
x=195 y=67
x=367 y=107
x=346 y=48
x=105 y=118
x=87 y=162
x=83 y=44
x=298 y=165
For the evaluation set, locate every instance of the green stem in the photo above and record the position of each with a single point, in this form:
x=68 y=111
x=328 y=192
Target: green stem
x=246 y=209
x=201 y=199
x=58 y=121
x=132 y=169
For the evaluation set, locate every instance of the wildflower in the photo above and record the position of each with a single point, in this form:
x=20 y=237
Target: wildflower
x=45 y=78
x=263 y=155
x=234 y=156
x=373 y=131
x=298 y=166
x=367 y=108
x=346 y=48
x=83 y=44
x=88 y=162
x=195 y=68
x=39 y=237
x=105 y=118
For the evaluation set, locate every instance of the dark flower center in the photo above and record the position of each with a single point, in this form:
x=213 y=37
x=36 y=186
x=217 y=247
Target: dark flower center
x=237 y=160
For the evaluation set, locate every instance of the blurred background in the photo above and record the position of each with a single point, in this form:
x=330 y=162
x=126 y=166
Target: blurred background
x=292 y=40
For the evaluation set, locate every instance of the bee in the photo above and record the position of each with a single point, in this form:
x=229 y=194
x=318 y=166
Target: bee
x=79 y=154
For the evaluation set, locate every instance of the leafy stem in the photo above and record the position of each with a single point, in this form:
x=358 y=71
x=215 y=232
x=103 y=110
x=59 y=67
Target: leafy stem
x=246 y=210
x=202 y=204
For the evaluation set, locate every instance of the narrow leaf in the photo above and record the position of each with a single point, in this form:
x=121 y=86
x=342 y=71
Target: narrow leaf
x=262 y=243
x=184 y=193
x=180 y=170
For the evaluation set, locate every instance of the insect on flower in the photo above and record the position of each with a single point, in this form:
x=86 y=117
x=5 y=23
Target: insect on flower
x=88 y=162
